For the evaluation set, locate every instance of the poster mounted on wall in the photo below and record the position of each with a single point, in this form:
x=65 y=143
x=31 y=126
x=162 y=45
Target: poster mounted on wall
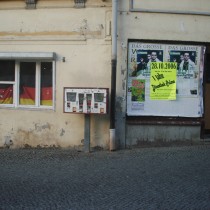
x=163 y=81
x=172 y=89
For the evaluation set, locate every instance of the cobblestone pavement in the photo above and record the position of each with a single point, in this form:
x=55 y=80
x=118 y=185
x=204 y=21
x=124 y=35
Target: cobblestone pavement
x=140 y=178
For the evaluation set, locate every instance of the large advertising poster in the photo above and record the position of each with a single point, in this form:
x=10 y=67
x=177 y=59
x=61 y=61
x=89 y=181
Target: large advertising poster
x=164 y=80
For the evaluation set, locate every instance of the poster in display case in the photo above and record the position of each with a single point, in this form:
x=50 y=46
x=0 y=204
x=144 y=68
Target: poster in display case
x=165 y=79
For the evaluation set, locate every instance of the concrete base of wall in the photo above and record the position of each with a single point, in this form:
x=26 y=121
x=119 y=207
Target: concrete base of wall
x=142 y=135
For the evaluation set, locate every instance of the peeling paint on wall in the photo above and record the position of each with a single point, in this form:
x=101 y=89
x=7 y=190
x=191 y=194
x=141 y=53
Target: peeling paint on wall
x=32 y=138
x=39 y=128
x=119 y=103
x=62 y=132
x=8 y=141
x=123 y=71
x=123 y=84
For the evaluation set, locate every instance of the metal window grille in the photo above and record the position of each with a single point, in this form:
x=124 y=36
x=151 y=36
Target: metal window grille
x=79 y=3
x=30 y=4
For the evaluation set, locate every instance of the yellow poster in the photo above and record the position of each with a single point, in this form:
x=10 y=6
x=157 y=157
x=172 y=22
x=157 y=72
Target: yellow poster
x=163 y=81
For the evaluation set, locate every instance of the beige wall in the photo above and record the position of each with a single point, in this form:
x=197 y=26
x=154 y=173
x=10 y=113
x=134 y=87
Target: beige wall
x=79 y=35
x=155 y=26
x=82 y=36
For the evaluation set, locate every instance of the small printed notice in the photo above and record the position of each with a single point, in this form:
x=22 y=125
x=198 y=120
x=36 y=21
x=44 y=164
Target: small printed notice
x=163 y=80
x=137 y=106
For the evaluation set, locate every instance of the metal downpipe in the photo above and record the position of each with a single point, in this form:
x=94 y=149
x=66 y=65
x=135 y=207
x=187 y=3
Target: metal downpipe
x=112 y=143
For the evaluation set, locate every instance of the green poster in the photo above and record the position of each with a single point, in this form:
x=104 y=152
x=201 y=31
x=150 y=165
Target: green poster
x=163 y=81
x=138 y=90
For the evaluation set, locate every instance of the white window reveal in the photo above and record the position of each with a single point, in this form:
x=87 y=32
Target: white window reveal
x=27 y=81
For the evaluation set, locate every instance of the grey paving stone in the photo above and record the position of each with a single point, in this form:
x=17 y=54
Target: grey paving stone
x=140 y=178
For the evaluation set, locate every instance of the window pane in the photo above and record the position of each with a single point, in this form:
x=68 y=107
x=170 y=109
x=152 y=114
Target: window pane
x=98 y=97
x=208 y=68
x=46 y=84
x=6 y=94
x=27 y=83
x=7 y=70
x=71 y=97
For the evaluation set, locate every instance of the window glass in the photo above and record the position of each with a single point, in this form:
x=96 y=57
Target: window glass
x=98 y=97
x=46 y=84
x=71 y=97
x=7 y=70
x=31 y=80
x=208 y=68
x=6 y=94
x=81 y=100
x=27 y=83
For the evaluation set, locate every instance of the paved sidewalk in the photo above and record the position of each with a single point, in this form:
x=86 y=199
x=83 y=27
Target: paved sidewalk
x=147 y=178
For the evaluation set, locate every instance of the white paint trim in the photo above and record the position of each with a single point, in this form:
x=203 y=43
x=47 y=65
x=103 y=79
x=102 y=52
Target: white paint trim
x=184 y=12
x=28 y=55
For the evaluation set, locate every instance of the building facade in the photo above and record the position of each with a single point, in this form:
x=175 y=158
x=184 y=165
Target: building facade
x=48 y=45
x=162 y=107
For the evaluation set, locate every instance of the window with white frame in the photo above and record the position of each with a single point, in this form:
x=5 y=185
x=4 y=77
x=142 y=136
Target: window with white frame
x=26 y=83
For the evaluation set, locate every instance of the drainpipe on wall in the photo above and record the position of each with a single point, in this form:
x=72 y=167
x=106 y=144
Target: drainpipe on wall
x=112 y=144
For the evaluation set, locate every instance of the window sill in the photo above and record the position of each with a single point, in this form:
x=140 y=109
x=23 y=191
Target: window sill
x=44 y=108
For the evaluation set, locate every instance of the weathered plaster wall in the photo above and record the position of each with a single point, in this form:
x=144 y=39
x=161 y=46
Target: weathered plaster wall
x=79 y=35
x=143 y=134
x=154 y=26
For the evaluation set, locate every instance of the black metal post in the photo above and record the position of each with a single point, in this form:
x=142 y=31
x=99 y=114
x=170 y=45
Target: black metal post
x=87 y=133
x=113 y=94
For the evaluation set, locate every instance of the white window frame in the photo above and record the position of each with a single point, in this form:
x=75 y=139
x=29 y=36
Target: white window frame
x=29 y=57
